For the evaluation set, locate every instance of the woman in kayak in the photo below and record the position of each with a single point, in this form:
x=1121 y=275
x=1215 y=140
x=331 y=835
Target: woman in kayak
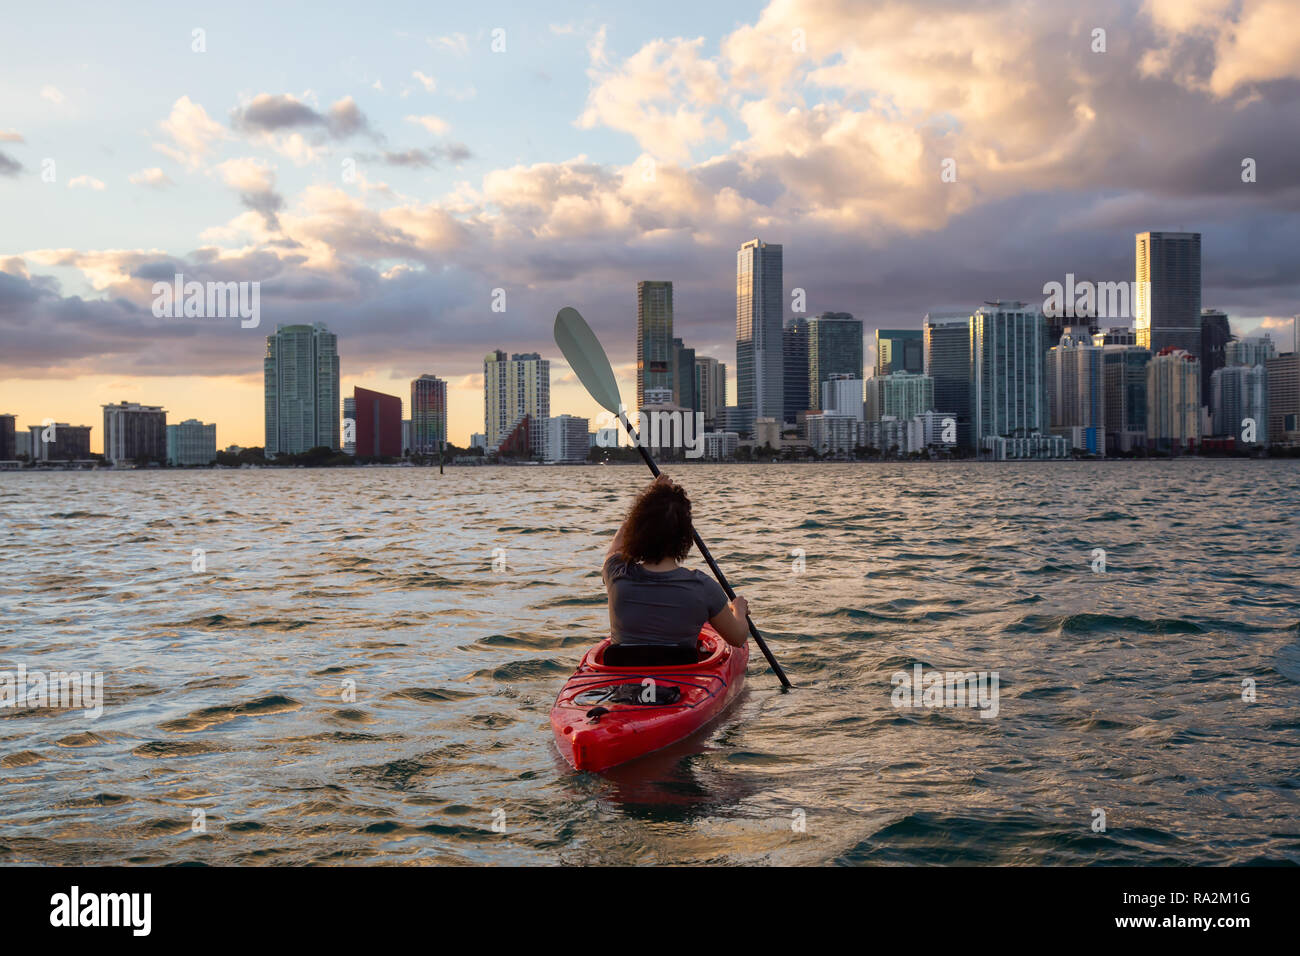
x=657 y=607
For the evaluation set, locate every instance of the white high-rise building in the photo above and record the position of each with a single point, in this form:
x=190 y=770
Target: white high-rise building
x=1174 y=401
x=901 y=395
x=1075 y=391
x=567 y=439
x=513 y=388
x=842 y=395
x=711 y=389
x=760 y=363
x=301 y=379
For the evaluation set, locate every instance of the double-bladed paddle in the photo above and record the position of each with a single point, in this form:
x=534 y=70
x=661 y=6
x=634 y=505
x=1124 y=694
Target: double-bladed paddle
x=583 y=351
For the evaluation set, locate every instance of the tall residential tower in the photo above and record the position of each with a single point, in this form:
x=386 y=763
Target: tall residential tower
x=301 y=377
x=654 y=343
x=760 y=298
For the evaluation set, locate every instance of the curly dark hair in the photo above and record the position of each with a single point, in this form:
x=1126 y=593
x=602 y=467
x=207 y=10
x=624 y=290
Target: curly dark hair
x=659 y=524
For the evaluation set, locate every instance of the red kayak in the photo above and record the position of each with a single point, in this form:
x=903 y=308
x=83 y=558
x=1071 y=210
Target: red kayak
x=605 y=716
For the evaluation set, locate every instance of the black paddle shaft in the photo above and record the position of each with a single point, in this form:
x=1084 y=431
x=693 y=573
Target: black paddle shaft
x=713 y=565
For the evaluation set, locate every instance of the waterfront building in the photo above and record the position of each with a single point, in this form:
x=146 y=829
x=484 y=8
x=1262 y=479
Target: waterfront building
x=834 y=350
x=428 y=416
x=710 y=389
x=1240 y=403
x=655 y=368
x=515 y=388
x=946 y=340
x=301 y=384
x=567 y=439
x=134 y=433
x=191 y=443
x=1173 y=401
x=379 y=424
x=1124 y=397
x=1008 y=371
x=760 y=365
x=1168 y=274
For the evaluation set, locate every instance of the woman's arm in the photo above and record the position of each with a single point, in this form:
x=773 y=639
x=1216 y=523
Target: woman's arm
x=732 y=622
x=616 y=546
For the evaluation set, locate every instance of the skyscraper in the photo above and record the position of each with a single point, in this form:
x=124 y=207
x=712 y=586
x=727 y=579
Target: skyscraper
x=1250 y=351
x=1173 y=401
x=900 y=350
x=134 y=432
x=654 y=342
x=1124 y=392
x=946 y=338
x=428 y=415
x=1008 y=380
x=760 y=367
x=379 y=424
x=1215 y=336
x=901 y=395
x=1240 y=396
x=684 y=376
x=1075 y=389
x=1284 y=398
x=301 y=377
x=711 y=389
x=842 y=395
x=834 y=348
x=514 y=389
x=1169 y=291
x=794 y=350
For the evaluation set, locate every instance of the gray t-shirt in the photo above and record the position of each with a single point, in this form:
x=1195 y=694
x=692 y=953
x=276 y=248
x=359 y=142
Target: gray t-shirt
x=660 y=608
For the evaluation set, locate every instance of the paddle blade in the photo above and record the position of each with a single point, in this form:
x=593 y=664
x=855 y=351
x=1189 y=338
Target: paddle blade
x=583 y=352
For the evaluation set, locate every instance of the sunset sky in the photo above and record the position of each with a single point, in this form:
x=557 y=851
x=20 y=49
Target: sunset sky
x=381 y=169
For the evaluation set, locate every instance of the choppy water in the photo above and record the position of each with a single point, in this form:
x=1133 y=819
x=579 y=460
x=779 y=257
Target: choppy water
x=1119 y=691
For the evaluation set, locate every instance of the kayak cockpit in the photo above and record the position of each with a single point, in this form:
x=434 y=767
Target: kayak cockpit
x=710 y=649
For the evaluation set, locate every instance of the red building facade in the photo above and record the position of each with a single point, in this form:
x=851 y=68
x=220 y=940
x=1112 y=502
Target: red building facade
x=379 y=424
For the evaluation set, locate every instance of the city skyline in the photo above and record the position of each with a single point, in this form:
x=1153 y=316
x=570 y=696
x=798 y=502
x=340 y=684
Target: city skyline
x=387 y=183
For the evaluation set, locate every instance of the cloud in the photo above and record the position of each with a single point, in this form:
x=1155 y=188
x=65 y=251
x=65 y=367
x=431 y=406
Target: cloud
x=193 y=132
x=431 y=123
x=456 y=43
x=1224 y=45
x=270 y=113
x=428 y=82
x=52 y=93
x=831 y=145
x=427 y=158
x=254 y=180
x=8 y=165
x=663 y=95
x=10 y=136
x=86 y=182
x=153 y=176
